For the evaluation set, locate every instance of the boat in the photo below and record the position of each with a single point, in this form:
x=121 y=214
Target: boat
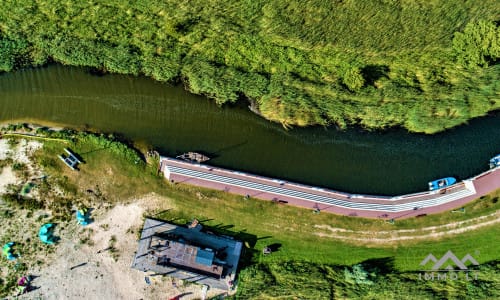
x=193 y=157
x=71 y=160
x=495 y=162
x=441 y=183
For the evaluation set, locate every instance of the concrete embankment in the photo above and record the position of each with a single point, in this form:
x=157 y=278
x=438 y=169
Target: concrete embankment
x=283 y=192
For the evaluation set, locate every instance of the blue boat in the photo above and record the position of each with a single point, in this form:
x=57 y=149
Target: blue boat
x=495 y=162
x=441 y=183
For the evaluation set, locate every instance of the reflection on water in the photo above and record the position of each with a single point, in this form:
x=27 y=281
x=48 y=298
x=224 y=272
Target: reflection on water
x=175 y=121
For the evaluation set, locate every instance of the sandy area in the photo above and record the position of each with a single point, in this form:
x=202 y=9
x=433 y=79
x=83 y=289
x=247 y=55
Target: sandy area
x=20 y=152
x=95 y=274
x=7 y=177
x=82 y=265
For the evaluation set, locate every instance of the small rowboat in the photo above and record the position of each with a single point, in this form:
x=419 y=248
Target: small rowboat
x=441 y=183
x=193 y=157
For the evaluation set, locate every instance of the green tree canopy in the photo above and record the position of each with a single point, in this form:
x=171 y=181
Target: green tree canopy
x=478 y=45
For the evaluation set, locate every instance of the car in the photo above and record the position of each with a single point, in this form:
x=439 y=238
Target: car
x=441 y=183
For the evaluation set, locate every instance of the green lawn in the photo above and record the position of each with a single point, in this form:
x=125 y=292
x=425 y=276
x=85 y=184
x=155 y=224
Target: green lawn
x=294 y=229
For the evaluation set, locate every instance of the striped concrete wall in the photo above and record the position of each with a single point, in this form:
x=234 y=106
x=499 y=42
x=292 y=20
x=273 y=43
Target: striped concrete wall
x=245 y=183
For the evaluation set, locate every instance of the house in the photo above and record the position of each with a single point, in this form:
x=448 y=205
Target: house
x=188 y=253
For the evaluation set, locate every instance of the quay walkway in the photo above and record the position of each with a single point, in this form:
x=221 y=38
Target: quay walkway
x=284 y=192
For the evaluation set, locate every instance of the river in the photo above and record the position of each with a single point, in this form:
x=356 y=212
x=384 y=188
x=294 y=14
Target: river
x=174 y=121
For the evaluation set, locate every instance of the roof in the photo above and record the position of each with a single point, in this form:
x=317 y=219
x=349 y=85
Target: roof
x=204 y=257
x=187 y=254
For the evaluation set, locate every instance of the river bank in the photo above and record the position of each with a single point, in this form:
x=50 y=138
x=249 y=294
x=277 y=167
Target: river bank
x=354 y=205
x=173 y=121
x=326 y=73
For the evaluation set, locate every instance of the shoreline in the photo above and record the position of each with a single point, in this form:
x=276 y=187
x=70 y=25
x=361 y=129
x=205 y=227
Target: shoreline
x=319 y=199
x=253 y=106
x=143 y=147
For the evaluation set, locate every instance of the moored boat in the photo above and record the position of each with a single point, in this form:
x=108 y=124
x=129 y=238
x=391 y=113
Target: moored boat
x=441 y=183
x=193 y=157
x=495 y=162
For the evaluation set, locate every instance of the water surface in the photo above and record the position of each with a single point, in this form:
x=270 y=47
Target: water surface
x=174 y=121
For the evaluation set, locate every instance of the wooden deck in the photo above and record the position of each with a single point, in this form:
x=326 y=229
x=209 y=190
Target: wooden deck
x=328 y=200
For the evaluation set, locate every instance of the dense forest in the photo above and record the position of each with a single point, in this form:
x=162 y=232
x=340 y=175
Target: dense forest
x=424 y=65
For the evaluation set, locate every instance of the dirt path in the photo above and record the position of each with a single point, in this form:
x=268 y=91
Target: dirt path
x=406 y=234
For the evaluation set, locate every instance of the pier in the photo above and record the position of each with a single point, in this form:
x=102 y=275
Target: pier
x=321 y=199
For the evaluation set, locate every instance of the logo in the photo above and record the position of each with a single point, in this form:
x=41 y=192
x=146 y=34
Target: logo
x=447 y=260
x=448 y=267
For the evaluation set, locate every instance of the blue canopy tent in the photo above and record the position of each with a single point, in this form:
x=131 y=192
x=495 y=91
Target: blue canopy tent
x=7 y=251
x=81 y=217
x=45 y=233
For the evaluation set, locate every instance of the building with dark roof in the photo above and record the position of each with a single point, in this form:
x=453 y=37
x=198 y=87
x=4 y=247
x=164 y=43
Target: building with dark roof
x=188 y=254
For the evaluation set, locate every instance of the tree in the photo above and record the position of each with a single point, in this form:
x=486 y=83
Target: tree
x=478 y=45
x=353 y=79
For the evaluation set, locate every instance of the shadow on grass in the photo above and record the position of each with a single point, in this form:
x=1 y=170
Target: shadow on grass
x=248 y=253
x=158 y=214
x=274 y=247
x=91 y=151
x=384 y=265
x=372 y=73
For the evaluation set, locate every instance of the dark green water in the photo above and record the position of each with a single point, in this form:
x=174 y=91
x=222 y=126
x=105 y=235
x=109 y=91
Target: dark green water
x=174 y=121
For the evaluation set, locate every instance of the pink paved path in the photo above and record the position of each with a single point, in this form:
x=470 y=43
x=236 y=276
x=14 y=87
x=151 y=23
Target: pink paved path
x=483 y=184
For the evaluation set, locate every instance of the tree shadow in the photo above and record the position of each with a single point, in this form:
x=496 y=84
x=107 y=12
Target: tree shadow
x=381 y=266
x=372 y=73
